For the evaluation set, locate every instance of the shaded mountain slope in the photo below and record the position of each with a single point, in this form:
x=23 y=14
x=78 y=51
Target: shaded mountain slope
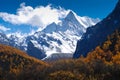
x=103 y=63
x=100 y=64
x=54 y=38
x=97 y=34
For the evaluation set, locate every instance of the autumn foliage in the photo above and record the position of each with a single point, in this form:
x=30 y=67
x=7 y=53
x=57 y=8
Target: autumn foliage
x=15 y=63
x=103 y=63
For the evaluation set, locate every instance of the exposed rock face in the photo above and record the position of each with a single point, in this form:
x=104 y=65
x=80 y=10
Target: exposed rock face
x=97 y=34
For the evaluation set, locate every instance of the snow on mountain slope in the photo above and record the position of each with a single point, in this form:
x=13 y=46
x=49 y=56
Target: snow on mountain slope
x=18 y=40
x=55 y=39
x=62 y=37
x=4 y=39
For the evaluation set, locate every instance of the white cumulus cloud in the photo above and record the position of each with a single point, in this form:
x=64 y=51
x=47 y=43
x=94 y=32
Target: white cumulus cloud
x=39 y=16
x=3 y=28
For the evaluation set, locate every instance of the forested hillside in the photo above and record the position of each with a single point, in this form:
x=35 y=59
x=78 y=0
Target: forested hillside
x=17 y=65
x=103 y=63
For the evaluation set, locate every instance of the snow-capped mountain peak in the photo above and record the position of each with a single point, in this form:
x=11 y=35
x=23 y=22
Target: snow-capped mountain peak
x=70 y=16
x=55 y=38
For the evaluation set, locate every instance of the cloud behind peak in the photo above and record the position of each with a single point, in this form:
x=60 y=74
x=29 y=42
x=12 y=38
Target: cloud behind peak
x=39 y=16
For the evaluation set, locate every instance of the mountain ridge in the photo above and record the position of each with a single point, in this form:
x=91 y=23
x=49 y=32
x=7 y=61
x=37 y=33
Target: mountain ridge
x=55 y=38
x=97 y=34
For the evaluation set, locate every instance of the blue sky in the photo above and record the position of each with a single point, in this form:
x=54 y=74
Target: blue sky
x=92 y=8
